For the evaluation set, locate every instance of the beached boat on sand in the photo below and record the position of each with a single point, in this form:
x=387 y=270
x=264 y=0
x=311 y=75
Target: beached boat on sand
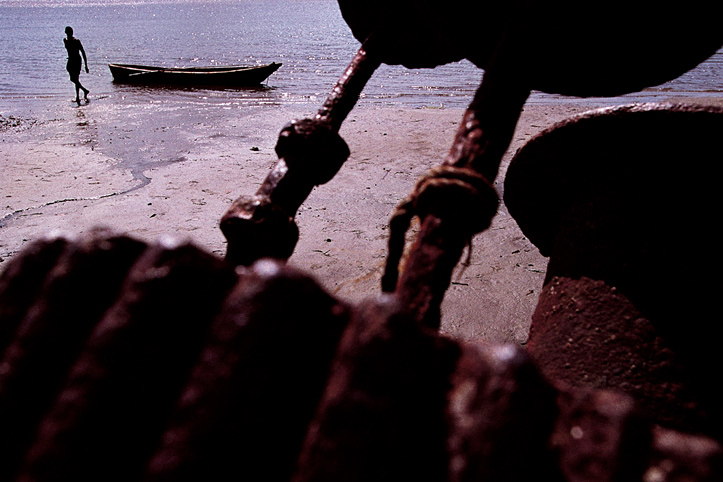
x=231 y=76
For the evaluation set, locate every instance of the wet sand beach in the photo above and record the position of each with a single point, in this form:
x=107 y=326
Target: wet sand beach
x=62 y=173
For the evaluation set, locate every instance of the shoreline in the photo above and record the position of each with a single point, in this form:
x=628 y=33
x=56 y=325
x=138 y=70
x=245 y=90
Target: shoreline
x=62 y=175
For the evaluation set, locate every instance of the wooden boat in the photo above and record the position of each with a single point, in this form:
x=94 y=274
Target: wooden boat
x=230 y=76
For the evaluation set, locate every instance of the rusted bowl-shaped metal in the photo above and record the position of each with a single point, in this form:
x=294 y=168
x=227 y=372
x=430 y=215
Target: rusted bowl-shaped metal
x=661 y=162
x=631 y=196
x=596 y=48
x=626 y=203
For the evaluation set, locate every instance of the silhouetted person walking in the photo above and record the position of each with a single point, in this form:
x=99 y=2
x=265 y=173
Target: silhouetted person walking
x=75 y=50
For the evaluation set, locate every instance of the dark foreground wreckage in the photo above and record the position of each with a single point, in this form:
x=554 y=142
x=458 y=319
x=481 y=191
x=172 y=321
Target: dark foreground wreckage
x=132 y=361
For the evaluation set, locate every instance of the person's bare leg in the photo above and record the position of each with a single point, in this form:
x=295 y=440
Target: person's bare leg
x=78 y=88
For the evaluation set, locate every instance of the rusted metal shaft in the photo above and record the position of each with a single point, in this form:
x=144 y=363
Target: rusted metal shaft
x=348 y=88
x=310 y=153
x=488 y=125
x=456 y=211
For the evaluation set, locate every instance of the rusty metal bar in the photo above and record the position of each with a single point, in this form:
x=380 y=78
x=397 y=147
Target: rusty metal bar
x=310 y=153
x=348 y=88
x=457 y=201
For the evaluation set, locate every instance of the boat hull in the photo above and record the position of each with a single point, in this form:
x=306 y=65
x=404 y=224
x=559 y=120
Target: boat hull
x=233 y=76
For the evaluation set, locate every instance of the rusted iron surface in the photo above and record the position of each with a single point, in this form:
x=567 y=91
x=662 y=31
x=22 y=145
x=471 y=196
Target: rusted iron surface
x=502 y=411
x=196 y=371
x=518 y=56
x=601 y=436
x=678 y=457
x=101 y=421
x=558 y=46
x=587 y=333
x=382 y=416
x=456 y=201
x=630 y=298
x=522 y=46
x=635 y=152
x=45 y=339
x=181 y=367
x=26 y=285
x=310 y=153
x=256 y=385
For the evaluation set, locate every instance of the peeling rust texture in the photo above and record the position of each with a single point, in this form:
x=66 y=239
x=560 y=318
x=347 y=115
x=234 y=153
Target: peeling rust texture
x=181 y=368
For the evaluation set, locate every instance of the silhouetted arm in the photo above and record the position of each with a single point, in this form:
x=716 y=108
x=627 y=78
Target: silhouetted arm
x=82 y=52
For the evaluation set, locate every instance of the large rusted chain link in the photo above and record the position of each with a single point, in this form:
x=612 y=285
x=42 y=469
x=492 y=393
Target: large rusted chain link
x=455 y=201
x=310 y=153
x=446 y=192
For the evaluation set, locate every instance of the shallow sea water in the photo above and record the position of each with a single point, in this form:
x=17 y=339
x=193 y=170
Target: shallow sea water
x=309 y=37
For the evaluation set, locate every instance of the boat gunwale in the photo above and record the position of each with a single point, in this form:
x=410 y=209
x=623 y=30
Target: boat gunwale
x=189 y=70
